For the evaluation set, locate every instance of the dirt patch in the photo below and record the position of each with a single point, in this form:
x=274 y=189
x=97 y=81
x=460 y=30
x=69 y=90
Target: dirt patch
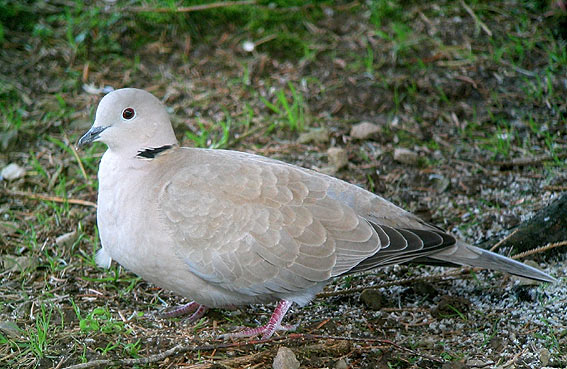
x=434 y=81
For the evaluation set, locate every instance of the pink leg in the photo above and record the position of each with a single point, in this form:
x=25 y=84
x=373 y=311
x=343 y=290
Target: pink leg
x=180 y=310
x=198 y=314
x=274 y=324
x=198 y=311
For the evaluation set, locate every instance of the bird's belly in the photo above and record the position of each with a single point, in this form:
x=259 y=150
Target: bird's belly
x=141 y=244
x=122 y=232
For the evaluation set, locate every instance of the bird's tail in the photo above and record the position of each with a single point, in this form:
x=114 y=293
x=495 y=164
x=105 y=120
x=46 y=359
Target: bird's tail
x=464 y=254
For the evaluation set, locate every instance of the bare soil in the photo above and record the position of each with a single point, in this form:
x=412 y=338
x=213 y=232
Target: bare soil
x=465 y=102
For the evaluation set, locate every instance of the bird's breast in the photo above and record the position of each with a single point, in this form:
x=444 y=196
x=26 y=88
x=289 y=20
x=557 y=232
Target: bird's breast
x=132 y=232
x=125 y=214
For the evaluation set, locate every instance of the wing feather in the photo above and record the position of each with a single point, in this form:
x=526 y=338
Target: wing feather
x=262 y=227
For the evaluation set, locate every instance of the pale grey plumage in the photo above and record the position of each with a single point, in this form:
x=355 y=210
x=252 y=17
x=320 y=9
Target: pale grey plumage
x=228 y=228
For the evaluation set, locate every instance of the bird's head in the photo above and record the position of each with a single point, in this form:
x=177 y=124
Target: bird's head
x=130 y=120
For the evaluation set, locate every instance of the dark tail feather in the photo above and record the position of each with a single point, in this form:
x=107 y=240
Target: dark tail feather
x=463 y=254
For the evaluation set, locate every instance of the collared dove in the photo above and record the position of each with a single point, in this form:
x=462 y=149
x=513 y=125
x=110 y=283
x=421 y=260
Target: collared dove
x=227 y=228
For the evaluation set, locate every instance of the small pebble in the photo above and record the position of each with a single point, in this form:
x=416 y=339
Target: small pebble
x=454 y=365
x=10 y=329
x=449 y=306
x=285 y=359
x=12 y=171
x=439 y=182
x=67 y=239
x=341 y=364
x=425 y=289
x=544 y=356
x=316 y=135
x=364 y=130
x=476 y=363
x=337 y=157
x=428 y=342
x=372 y=299
x=405 y=156
x=19 y=263
x=248 y=46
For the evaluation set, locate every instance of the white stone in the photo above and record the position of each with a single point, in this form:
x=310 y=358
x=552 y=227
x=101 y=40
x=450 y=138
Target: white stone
x=12 y=171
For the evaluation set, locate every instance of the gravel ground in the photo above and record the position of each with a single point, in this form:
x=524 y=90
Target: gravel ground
x=460 y=88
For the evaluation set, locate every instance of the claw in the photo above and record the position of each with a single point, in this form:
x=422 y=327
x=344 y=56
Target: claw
x=197 y=311
x=274 y=324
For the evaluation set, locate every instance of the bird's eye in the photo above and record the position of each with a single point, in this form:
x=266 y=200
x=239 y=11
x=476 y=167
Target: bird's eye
x=128 y=113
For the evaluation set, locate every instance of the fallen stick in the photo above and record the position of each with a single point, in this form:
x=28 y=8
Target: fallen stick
x=181 y=349
x=476 y=19
x=188 y=9
x=463 y=272
x=35 y=196
x=524 y=162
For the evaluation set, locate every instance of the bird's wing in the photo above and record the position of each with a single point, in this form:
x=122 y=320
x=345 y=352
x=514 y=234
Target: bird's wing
x=259 y=226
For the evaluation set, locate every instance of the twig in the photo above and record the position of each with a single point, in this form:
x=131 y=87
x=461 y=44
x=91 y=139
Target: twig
x=460 y=272
x=35 y=196
x=523 y=162
x=180 y=349
x=538 y=250
x=497 y=244
x=72 y=147
x=469 y=80
x=518 y=69
x=236 y=362
x=188 y=9
x=246 y=134
x=264 y=40
x=357 y=339
x=478 y=21
x=555 y=188
x=176 y=350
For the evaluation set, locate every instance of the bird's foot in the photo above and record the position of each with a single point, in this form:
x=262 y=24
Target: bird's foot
x=274 y=324
x=266 y=331
x=196 y=310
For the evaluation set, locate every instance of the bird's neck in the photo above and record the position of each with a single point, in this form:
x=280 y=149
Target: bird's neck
x=153 y=152
x=144 y=151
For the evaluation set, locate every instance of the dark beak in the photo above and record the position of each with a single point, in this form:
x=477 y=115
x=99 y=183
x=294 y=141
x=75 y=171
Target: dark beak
x=91 y=136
